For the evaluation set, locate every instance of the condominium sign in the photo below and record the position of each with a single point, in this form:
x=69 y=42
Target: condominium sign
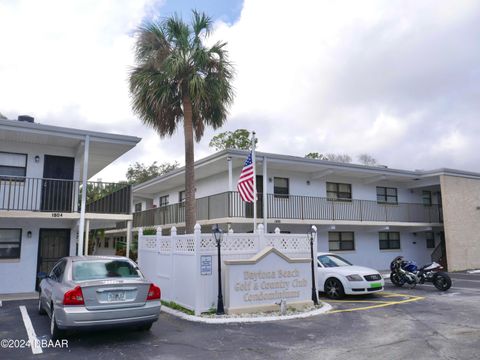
x=260 y=283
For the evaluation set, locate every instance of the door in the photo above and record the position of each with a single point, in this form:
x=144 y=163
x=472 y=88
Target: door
x=57 y=189
x=249 y=206
x=53 y=245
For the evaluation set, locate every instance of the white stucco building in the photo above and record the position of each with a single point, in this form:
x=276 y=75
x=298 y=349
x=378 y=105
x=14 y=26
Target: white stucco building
x=367 y=214
x=47 y=204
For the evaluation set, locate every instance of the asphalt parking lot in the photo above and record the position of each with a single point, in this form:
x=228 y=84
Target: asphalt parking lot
x=420 y=323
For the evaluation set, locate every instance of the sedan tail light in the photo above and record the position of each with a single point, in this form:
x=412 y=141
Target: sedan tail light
x=73 y=297
x=154 y=292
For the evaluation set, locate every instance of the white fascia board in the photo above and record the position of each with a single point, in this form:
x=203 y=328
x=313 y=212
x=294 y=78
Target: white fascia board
x=40 y=129
x=450 y=172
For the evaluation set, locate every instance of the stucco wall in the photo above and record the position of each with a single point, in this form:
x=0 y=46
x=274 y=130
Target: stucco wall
x=461 y=199
x=298 y=185
x=35 y=170
x=18 y=275
x=413 y=246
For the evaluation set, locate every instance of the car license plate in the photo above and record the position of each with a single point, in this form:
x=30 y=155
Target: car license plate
x=376 y=285
x=116 y=296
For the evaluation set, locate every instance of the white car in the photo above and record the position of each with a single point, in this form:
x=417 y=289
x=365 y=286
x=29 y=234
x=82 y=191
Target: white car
x=337 y=277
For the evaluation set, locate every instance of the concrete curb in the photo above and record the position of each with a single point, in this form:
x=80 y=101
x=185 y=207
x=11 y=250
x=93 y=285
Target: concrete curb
x=16 y=297
x=238 y=320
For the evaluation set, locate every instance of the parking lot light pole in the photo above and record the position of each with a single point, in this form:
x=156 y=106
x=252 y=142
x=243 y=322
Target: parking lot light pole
x=313 y=230
x=217 y=234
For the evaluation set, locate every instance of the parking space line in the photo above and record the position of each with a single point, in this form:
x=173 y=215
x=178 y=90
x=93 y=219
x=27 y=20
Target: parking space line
x=416 y=298
x=359 y=301
x=377 y=303
x=32 y=337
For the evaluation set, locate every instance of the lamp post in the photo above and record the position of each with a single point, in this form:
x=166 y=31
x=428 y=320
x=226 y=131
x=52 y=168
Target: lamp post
x=217 y=234
x=313 y=230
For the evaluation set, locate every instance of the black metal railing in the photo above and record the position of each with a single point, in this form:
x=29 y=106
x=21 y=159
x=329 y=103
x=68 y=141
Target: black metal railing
x=58 y=195
x=293 y=207
x=111 y=198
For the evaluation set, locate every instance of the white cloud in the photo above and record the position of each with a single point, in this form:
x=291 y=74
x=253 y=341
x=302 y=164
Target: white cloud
x=397 y=79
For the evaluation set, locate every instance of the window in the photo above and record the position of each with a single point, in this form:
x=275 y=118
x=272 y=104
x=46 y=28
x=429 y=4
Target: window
x=103 y=269
x=386 y=195
x=332 y=261
x=57 y=272
x=163 y=200
x=10 y=243
x=427 y=197
x=12 y=164
x=341 y=241
x=138 y=207
x=389 y=240
x=106 y=243
x=280 y=187
x=430 y=239
x=181 y=196
x=337 y=191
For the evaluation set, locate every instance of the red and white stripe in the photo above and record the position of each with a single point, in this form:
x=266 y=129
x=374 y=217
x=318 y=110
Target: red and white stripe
x=245 y=184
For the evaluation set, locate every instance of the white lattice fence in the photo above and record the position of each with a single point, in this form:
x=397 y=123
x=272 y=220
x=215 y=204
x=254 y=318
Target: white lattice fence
x=184 y=244
x=289 y=243
x=230 y=243
x=174 y=262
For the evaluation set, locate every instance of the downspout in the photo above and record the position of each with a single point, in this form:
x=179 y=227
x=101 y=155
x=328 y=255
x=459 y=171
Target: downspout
x=81 y=230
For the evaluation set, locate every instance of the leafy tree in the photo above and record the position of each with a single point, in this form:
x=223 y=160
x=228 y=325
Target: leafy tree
x=139 y=172
x=179 y=79
x=316 y=155
x=343 y=158
x=238 y=139
x=367 y=159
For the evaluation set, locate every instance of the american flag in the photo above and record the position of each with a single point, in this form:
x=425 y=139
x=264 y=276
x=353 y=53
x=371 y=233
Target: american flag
x=245 y=182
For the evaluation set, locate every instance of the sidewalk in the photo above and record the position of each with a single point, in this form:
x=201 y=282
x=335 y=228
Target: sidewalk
x=18 y=296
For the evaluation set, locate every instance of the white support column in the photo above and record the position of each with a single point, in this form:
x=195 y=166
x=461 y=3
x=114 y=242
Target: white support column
x=261 y=237
x=129 y=237
x=87 y=231
x=86 y=150
x=254 y=162
x=198 y=284
x=265 y=198
x=173 y=287
x=230 y=175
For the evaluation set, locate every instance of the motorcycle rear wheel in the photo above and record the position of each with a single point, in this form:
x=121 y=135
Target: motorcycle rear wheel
x=396 y=280
x=442 y=281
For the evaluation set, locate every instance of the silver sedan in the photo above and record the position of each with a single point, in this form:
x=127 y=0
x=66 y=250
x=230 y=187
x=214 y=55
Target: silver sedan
x=95 y=291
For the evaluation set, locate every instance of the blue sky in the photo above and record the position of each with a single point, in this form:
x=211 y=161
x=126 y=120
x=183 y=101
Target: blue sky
x=226 y=10
x=398 y=79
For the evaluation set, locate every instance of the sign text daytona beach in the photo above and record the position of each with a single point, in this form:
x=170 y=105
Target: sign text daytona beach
x=271 y=285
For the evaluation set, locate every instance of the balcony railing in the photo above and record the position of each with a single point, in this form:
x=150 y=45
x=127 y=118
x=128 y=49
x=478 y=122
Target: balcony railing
x=293 y=207
x=57 y=195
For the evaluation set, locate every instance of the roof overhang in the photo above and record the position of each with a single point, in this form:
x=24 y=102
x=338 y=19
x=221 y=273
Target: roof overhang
x=104 y=147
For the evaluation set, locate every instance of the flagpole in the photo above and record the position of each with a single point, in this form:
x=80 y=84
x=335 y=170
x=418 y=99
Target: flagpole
x=254 y=184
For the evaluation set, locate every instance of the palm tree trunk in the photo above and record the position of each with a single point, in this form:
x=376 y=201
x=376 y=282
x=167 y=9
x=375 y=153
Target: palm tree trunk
x=190 y=205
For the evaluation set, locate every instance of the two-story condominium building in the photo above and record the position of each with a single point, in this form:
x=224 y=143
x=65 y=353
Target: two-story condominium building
x=47 y=204
x=368 y=214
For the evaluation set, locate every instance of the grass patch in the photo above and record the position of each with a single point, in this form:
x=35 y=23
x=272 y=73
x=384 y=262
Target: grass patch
x=175 y=306
x=210 y=311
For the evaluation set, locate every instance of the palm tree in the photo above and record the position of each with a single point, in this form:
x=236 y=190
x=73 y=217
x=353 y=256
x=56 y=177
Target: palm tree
x=177 y=78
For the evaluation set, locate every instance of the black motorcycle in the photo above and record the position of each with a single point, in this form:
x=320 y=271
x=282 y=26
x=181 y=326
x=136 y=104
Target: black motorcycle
x=406 y=272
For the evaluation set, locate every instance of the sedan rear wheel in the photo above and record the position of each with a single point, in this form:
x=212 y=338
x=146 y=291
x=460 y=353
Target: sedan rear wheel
x=55 y=332
x=334 y=289
x=41 y=310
